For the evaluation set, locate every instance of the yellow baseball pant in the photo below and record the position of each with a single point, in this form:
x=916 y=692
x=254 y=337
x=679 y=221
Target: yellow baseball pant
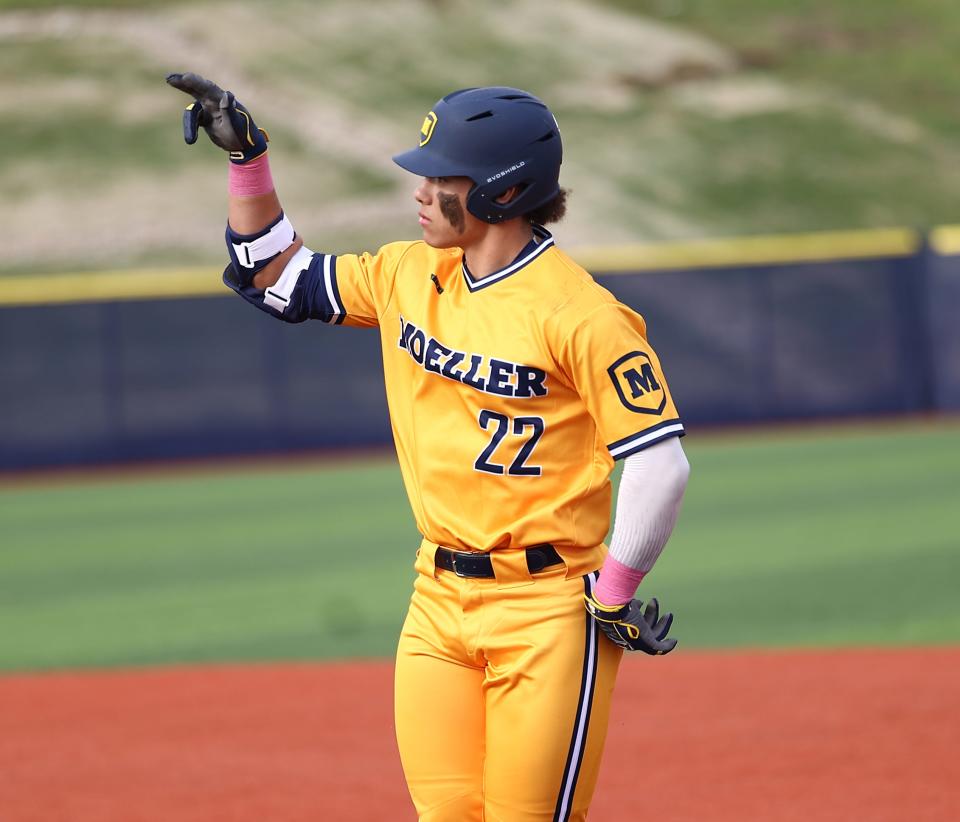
x=502 y=695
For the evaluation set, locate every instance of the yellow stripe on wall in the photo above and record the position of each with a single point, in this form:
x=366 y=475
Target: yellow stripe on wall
x=766 y=250
x=108 y=286
x=146 y=284
x=945 y=240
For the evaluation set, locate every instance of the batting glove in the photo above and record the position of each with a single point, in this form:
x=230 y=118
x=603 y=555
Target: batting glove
x=634 y=629
x=227 y=122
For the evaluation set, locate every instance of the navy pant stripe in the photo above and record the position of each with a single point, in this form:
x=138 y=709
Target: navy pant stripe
x=581 y=725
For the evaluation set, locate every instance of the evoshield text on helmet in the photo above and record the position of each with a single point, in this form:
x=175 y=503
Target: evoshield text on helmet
x=497 y=136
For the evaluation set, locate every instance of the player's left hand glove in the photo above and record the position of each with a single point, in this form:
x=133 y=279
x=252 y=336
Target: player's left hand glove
x=226 y=121
x=634 y=629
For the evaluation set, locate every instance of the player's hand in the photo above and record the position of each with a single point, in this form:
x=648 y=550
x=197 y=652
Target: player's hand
x=226 y=121
x=633 y=627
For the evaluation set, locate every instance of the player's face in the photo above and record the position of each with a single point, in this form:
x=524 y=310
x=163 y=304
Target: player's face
x=443 y=215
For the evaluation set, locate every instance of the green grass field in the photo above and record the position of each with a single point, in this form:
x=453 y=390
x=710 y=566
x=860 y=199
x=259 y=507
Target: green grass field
x=806 y=537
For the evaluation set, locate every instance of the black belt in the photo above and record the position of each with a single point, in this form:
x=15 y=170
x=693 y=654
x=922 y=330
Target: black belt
x=479 y=564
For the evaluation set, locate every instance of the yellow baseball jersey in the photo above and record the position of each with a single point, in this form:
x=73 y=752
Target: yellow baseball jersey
x=510 y=396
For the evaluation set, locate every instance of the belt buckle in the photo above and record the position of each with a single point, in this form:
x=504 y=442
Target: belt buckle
x=455 y=565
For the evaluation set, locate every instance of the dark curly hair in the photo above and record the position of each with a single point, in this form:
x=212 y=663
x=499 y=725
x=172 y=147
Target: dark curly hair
x=551 y=211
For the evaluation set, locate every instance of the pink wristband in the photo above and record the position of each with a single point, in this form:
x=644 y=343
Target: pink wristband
x=250 y=179
x=618 y=583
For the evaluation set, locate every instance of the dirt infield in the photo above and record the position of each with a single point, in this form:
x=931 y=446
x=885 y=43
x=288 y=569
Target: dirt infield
x=842 y=735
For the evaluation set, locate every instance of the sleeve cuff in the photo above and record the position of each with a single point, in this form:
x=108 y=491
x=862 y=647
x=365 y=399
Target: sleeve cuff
x=644 y=439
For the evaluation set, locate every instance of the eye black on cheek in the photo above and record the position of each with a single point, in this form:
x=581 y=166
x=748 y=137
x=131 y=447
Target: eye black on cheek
x=451 y=209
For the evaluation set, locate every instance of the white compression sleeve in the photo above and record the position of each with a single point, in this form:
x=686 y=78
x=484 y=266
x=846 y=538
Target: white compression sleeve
x=648 y=503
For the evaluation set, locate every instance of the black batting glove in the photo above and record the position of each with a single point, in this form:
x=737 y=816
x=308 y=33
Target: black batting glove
x=227 y=122
x=634 y=629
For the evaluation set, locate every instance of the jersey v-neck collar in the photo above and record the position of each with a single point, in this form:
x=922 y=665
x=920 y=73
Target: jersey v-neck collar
x=542 y=240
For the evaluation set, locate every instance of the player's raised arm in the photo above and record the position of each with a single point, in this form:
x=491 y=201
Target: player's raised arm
x=260 y=239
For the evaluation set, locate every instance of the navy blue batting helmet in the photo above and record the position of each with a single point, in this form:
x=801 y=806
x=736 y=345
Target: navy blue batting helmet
x=498 y=137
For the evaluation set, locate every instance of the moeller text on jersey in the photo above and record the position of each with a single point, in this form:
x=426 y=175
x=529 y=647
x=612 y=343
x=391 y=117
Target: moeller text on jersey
x=488 y=374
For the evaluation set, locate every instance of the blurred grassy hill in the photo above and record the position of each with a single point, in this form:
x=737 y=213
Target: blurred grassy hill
x=681 y=118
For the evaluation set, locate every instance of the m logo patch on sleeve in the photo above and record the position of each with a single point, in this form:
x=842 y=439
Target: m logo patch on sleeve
x=638 y=384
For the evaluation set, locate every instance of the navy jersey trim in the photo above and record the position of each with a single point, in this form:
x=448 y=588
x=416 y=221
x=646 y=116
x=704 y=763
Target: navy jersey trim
x=646 y=438
x=323 y=294
x=581 y=724
x=543 y=240
x=330 y=280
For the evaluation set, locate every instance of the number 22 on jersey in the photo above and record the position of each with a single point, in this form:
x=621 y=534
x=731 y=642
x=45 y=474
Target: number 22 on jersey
x=527 y=429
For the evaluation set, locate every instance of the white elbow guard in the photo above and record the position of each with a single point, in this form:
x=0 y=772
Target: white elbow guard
x=278 y=295
x=250 y=253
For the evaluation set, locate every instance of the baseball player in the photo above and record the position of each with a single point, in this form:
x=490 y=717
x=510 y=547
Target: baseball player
x=514 y=382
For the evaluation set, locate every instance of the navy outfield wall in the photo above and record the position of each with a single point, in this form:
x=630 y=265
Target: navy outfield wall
x=123 y=366
x=840 y=328
x=942 y=267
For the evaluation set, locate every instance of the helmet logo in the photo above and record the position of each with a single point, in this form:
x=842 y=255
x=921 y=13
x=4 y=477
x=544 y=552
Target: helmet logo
x=506 y=171
x=426 y=130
